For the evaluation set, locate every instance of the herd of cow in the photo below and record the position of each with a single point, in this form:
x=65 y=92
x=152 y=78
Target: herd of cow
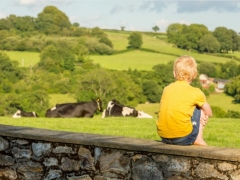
x=86 y=110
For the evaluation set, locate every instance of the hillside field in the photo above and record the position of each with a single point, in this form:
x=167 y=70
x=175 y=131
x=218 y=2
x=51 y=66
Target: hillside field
x=139 y=60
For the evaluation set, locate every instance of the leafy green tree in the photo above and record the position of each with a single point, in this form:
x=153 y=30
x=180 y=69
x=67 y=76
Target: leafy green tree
x=224 y=36
x=191 y=35
x=66 y=32
x=110 y=84
x=51 y=20
x=95 y=81
x=75 y=24
x=5 y=24
x=155 y=28
x=232 y=88
x=67 y=55
x=3 y=34
x=206 y=92
x=151 y=91
x=235 y=40
x=163 y=73
x=211 y=88
x=122 y=28
x=25 y=23
x=37 y=101
x=97 y=32
x=95 y=47
x=81 y=52
x=207 y=68
x=218 y=112
x=106 y=41
x=135 y=40
x=58 y=58
x=8 y=69
x=232 y=114
x=229 y=70
x=174 y=32
x=50 y=59
x=209 y=43
x=85 y=95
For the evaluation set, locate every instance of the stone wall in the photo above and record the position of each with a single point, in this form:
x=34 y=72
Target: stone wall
x=38 y=154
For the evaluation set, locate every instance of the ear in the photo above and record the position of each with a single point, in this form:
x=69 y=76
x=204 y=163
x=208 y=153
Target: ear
x=174 y=74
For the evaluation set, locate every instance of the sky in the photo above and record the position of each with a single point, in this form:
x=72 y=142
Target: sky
x=134 y=15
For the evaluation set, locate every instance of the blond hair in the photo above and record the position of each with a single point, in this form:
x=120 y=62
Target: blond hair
x=185 y=68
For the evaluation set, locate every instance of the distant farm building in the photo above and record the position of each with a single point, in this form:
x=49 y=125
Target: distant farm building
x=207 y=81
x=220 y=83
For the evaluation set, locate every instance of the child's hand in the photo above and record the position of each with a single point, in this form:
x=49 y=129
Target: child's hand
x=203 y=120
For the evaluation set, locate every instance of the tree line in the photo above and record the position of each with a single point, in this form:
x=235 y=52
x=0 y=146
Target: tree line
x=198 y=37
x=65 y=66
x=29 y=88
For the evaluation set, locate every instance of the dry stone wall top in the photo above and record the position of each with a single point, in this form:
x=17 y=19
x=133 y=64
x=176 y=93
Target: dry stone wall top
x=39 y=154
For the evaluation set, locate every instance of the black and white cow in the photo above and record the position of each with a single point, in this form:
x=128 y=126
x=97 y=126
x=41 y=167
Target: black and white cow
x=79 y=109
x=21 y=113
x=114 y=108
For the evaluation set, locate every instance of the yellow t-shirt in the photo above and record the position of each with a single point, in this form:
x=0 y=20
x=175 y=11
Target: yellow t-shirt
x=177 y=104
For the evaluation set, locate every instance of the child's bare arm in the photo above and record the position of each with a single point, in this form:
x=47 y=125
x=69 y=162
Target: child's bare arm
x=207 y=109
x=206 y=112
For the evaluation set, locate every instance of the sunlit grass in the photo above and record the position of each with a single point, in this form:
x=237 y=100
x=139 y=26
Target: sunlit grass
x=134 y=60
x=223 y=132
x=223 y=101
x=25 y=59
x=117 y=126
x=119 y=40
x=60 y=98
x=218 y=132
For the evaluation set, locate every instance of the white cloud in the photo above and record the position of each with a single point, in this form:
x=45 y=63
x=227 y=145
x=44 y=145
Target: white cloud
x=92 y=19
x=161 y=22
x=123 y=22
x=27 y=2
x=32 y=3
x=123 y=8
x=132 y=28
x=2 y=15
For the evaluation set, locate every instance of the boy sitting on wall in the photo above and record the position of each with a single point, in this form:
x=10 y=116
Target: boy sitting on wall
x=184 y=110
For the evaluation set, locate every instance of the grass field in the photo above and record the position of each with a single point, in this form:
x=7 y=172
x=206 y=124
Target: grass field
x=150 y=42
x=134 y=60
x=140 y=60
x=218 y=132
x=223 y=101
x=25 y=59
x=60 y=98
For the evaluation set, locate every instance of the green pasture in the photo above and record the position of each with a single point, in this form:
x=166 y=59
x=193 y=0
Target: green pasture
x=218 y=132
x=120 y=42
x=140 y=60
x=60 y=98
x=223 y=101
x=135 y=59
x=25 y=59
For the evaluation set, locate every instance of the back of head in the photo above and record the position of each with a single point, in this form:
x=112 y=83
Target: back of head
x=185 y=68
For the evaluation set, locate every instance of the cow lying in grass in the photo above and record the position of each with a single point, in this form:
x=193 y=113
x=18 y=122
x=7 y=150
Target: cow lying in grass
x=114 y=108
x=21 y=113
x=72 y=110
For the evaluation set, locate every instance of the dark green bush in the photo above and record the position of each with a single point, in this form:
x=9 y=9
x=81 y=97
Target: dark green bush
x=218 y=112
